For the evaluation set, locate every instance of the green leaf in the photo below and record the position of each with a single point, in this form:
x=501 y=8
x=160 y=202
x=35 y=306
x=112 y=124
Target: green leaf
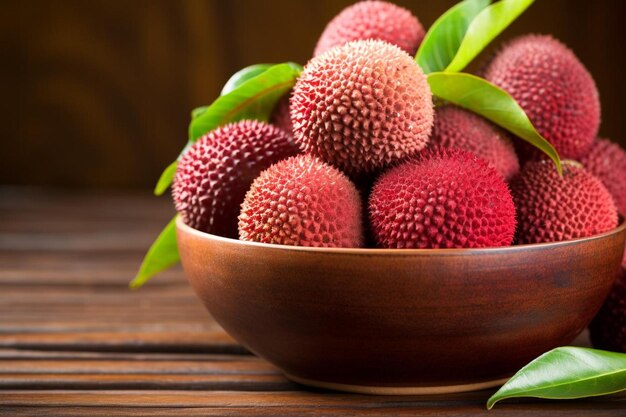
x=162 y=255
x=198 y=111
x=566 y=373
x=491 y=102
x=444 y=37
x=235 y=81
x=484 y=28
x=166 y=179
x=253 y=98
x=244 y=75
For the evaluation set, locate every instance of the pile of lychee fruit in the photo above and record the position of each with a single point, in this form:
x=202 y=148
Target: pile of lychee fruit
x=358 y=155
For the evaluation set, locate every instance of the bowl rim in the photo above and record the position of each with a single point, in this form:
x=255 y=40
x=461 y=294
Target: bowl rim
x=181 y=226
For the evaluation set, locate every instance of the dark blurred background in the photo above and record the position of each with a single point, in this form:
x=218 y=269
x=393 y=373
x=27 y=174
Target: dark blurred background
x=98 y=93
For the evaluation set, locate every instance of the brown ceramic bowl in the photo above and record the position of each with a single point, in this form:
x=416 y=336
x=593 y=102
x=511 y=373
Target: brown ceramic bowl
x=401 y=321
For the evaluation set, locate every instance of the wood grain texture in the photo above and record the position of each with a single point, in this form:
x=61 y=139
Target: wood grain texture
x=74 y=341
x=513 y=411
x=300 y=403
x=99 y=92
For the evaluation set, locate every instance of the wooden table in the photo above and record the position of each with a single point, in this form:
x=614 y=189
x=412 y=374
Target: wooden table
x=75 y=341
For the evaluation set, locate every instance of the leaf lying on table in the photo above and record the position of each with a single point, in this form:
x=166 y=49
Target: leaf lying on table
x=444 y=37
x=253 y=98
x=162 y=255
x=567 y=373
x=491 y=102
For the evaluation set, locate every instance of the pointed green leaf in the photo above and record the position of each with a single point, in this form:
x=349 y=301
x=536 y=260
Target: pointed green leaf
x=235 y=81
x=253 y=98
x=198 y=111
x=166 y=179
x=244 y=75
x=444 y=37
x=491 y=102
x=489 y=23
x=162 y=255
x=566 y=373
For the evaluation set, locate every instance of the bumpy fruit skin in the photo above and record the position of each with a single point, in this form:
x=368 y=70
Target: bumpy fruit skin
x=608 y=328
x=551 y=208
x=607 y=161
x=214 y=174
x=553 y=87
x=302 y=201
x=280 y=116
x=447 y=198
x=456 y=127
x=362 y=106
x=378 y=20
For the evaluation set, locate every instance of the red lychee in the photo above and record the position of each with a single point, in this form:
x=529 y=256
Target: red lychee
x=607 y=161
x=362 y=106
x=214 y=174
x=280 y=116
x=608 y=328
x=554 y=89
x=377 y=20
x=447 y=198
x=456 y=127
x=302 y=201
x=551 y=208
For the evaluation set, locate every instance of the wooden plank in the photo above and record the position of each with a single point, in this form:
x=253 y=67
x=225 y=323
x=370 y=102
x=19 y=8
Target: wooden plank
x=156 y=318
x=324 y=403
x=28 y=297
x=78 y=243
x=79 y=223
x=515 y=410
x=184 y=381
x=67 y=204
x=36 y=355
x=147 y=398
x=232 y=412
x=170 y=341
x=95 y=269
x=89 y=307
x=147 y=324
x=78 y=238
x=232 y=366
x=533 y=410
x=161 y=319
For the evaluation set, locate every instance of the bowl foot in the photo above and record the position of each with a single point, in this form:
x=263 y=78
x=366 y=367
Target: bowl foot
x=383 y=390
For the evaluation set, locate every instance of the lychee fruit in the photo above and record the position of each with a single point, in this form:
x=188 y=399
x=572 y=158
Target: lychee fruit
x=362 y=106
x=456 y=127
x=445 y=198
x=607 y=161
x=551 y=208
x=608 y=328
x=214 y=174
x=553 y=87
x=280 y=117
x=302 y=201
x=377 y=20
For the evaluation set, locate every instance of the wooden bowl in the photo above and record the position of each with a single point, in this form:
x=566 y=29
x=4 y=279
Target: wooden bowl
x=409 y=321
